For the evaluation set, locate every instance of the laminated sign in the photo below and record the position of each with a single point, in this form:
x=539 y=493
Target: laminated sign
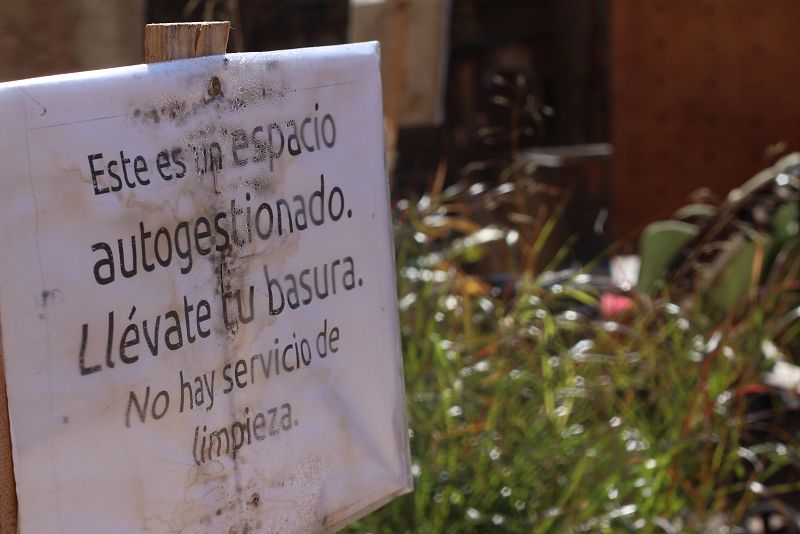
x=197 y=297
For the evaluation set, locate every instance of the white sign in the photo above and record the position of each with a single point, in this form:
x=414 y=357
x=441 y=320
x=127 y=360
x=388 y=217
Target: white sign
x=199 y=318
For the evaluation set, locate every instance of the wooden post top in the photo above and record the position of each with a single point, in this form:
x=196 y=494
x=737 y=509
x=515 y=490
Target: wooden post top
x=181 y=40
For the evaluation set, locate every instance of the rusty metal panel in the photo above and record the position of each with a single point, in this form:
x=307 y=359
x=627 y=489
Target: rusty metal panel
x=699 y=90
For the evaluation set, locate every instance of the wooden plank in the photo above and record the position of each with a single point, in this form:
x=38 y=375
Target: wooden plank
x=165 y=42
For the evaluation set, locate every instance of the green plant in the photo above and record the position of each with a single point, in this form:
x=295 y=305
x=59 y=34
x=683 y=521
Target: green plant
x=530 y=412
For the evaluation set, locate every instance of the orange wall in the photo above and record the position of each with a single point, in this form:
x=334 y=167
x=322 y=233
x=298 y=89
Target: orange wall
x=699 y=89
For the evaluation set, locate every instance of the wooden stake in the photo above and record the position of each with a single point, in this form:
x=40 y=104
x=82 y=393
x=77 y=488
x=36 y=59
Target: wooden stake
x=164 y=42
x=8 y=486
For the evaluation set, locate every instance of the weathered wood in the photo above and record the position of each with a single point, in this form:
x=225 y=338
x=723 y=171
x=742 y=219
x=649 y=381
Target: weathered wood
x=165 y=42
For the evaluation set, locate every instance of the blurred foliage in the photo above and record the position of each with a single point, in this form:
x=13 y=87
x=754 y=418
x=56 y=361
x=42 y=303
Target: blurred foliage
x=531 y=412
x=730 y=254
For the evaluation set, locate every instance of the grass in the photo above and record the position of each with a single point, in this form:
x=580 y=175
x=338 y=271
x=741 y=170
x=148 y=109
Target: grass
x=529 y=412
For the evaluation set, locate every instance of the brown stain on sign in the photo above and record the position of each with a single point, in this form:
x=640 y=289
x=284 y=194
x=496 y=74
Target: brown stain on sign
x=237 y=508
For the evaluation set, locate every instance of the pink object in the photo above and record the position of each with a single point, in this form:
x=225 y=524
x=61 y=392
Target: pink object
x=612 y=305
